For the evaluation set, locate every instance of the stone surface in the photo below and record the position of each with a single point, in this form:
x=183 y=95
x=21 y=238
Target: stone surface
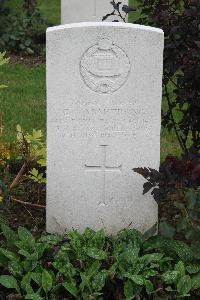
x=74 y=11
x=104 y=87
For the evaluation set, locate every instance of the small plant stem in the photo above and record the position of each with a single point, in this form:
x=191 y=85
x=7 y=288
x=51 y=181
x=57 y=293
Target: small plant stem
x=183 y=147
x=18 y=177
x=28 y=203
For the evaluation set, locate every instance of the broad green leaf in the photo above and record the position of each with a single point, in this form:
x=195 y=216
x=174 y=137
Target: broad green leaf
x=128 y=290
x=170 y=276
x=153 y=257
x=10 y=255
x=149 y=286
x=9 y=234
x=26 y=237
x=46 y=281
x=96 y=253
x=98 y=281
x=195 y=281
x=180 y=268
x=15 y=268
x=138 y=279
x=9 y=282
x=149 y=273
x=37 y=278
x=71 y=288
x=25 y=284
x=184 y=285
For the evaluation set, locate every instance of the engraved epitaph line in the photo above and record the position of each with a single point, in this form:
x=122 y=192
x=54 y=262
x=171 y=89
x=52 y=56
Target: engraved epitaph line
x=103 y=168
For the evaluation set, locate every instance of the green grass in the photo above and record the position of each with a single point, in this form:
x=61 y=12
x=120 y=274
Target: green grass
x=23 y=102
x=50 y=9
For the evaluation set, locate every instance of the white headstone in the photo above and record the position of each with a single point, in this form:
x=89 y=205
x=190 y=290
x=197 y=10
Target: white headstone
x=104 y=87
x=73 y=11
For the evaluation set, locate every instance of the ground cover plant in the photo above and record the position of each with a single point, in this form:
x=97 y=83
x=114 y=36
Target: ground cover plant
x=93 y=266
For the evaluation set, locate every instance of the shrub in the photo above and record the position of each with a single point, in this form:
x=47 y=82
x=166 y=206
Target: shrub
x=22 y=31
x=181 y=89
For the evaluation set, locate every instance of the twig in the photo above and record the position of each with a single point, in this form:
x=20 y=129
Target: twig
x=28 y=203
x=18 y=177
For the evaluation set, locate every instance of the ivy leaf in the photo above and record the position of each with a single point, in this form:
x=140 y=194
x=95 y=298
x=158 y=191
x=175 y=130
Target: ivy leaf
x=184 y=285
x=9 y=282
x=46 y=281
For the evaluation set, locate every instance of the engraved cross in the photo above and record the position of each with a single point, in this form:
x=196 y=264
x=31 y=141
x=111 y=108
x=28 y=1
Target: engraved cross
x=103 y=168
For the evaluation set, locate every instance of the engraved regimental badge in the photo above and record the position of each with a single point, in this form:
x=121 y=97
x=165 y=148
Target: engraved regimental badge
x=104 y=67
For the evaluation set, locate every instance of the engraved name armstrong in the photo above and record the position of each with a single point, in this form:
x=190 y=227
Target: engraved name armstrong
x=104 y=67
x=91 y=121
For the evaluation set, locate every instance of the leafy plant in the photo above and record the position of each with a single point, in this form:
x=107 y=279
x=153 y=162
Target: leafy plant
x=29 y=150
x=93 y=266
x=181 y=90
x=24 y=31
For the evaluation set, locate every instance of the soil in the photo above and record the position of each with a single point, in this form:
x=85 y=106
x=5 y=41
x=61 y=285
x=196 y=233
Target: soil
x=29 y=60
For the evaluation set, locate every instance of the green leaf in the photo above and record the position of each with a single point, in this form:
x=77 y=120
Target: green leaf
x=9 y=282
x=71 y=288
x=98 y=281
x=26 y=237
x=37 y=277
x=150 y=232
x=180 y=268
x=192 y=269
x=10 y=255
x=195 y=281
x=128 y=290
x=166 y=230
x=46 y=281
x=138 y=279
x=9 y=234
x=153 y=257
x=15 y=268
x=96 y=253
x=170 y=276
x=33 y=297
x=149 y=286
x=184 y=285
x=25 y=284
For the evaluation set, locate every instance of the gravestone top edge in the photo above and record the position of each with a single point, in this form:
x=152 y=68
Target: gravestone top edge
x=104 y=24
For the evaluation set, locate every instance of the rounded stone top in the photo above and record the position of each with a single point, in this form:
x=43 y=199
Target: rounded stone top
x=105 y=24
